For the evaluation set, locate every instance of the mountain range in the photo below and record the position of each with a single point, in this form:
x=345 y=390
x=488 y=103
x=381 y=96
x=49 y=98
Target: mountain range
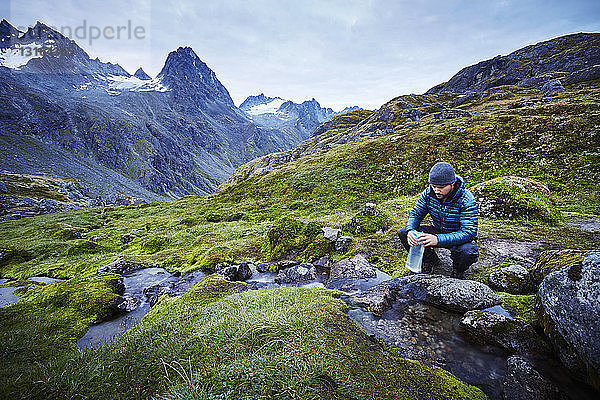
x=67 y=115
x=300 y=119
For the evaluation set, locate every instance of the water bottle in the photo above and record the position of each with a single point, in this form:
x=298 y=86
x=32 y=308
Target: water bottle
x=414 y=260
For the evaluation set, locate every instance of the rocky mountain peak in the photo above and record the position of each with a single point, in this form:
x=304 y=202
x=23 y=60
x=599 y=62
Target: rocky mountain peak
x=141 y=74
x=189 y=77
x=8 y=34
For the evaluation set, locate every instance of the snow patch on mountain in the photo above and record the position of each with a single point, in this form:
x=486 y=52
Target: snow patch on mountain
x=268 y=108
x=15 y=57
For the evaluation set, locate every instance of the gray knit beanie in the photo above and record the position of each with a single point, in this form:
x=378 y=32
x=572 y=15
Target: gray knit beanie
x=442 y=173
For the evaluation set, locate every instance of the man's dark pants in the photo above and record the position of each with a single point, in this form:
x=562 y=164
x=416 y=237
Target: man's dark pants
x=462 y=255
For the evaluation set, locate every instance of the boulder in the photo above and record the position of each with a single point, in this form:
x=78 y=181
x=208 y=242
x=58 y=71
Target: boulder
x=261 y=267
x=523 y=382
x=552 y=86
x=554 y=260
x=330 y=234
x=448 y=293
x=516 y=198
x=350 y=273
x=511 y=279
x=323 y=262
x=239 y=272
x=514 y=335
x=568 y=308
x=120 y=266
x=342 y=244
x=298 y=273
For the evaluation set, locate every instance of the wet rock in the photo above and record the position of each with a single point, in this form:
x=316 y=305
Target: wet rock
x=451 y=294
x=172 y=287
x=511 y=279
x=330 y=234
x=514 y=335
x=120 y=266
x=129 y=303
x=3 y=188
x=263 y=267
x=569 y=312
x=126 y=238
x=342 y=243
x=523 y=382
x=298 y=273
x=239 y=272
x=323 y=262
x=357 y=267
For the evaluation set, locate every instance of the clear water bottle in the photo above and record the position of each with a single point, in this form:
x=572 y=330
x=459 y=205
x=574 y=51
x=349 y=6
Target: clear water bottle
x=414 y=260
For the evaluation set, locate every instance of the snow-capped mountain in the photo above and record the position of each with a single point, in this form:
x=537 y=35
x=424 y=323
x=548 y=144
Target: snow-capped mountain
x=275 y=112
x=68 y=115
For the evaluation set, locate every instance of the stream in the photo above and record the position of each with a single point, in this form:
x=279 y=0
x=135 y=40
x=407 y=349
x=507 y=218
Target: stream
x=419 y=331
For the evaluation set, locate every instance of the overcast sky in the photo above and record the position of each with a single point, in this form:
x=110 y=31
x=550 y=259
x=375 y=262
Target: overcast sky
x=342 y=52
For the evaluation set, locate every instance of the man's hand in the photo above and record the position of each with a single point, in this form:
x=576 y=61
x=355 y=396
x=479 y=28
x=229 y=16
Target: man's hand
x=427 y=239
x=412 y=238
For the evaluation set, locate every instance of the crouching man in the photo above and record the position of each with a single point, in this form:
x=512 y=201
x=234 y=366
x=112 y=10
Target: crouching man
x=453 y=210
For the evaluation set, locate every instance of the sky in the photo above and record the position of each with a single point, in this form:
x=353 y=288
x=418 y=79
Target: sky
x=342 y=52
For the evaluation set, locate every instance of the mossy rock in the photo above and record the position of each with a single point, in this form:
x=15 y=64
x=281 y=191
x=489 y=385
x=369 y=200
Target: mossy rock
x=554 y=260
x=317 y=249
x=63 y=231
x=516 y=198
x=367 y=223
x=154 y=244
x=291 y=238
x=208 y=259
x=520 y=306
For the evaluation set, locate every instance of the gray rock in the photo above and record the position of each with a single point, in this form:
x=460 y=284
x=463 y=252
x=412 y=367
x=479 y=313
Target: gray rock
x=553 y=86
x=120 y=266
x=369 y=209
x=568 y=308
x=330 y=234
x=239 y=272
x=523 y=382
x=451 y=294
x=342 y=243
x=511 y=279
x=356 y=268
x=298 y=273
x=514 y=335
x=263 y=267
x=323 y=262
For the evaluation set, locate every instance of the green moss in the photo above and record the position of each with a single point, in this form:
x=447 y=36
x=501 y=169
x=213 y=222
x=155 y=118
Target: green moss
x=520 y=306
x=218 y=341
x=290 y=237
x=318 y=248
x=517 y=198
x=208 y=259
x=555 y=260
x=155 y=244
x=365 y=224
x=46 y=322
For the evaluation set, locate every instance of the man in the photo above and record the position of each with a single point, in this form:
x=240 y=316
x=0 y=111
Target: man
x=453 y=210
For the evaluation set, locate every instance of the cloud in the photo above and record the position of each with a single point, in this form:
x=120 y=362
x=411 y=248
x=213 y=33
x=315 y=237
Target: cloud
x=340 y=52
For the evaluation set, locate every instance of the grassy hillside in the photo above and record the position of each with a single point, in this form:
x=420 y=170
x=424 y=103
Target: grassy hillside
x=555 y=140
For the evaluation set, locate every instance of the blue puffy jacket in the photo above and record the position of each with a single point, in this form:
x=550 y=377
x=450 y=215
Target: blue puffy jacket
x=456 y=218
